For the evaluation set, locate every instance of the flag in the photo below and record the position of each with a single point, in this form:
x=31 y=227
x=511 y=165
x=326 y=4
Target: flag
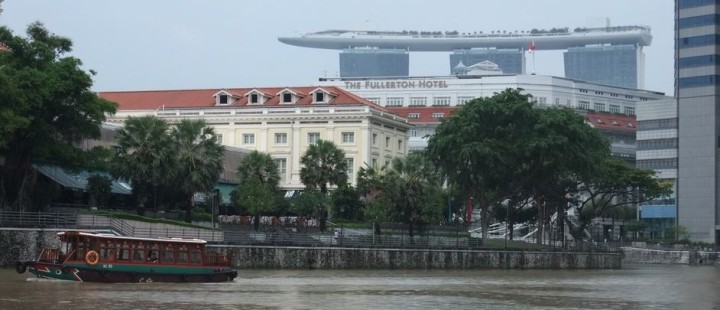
x=531 y=47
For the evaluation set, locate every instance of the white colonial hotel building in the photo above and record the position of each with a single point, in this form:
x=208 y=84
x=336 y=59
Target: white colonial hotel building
x=280 y=121
x=425 y=101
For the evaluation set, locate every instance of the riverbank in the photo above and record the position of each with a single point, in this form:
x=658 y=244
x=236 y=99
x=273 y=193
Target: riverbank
x=26 y=245
x=632 y=255
x=254 y=257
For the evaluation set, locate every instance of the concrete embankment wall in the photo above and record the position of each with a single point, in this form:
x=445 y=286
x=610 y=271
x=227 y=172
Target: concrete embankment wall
x=26 y=245
x=669 y=257
x=248 y=257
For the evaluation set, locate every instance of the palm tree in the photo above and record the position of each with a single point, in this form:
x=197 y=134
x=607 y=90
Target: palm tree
x=370 y=181
x=259 y=179
x=261 y=167
x=199 y=158
x=419 y=184
x=143 y=155
x=323 y=164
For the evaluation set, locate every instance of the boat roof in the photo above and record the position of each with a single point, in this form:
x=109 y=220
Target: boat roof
x=111 y=236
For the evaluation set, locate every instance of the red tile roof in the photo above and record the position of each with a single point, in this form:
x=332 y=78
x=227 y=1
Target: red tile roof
x=612 y=122
x=4 y=48
x=202 y=98
x=424 y=114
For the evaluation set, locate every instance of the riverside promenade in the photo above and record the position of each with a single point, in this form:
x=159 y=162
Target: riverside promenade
x=24 y=237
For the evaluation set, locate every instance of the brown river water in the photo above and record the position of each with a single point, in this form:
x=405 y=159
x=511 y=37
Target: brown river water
x=634 y=287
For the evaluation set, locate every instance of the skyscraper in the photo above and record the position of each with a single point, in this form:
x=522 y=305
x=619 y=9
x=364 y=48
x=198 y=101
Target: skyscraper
x=616 y=65
x=362 y=62
x=697 y=82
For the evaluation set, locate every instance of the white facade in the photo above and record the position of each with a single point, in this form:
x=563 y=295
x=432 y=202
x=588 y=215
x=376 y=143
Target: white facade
x=368 y=135
x=425 y=95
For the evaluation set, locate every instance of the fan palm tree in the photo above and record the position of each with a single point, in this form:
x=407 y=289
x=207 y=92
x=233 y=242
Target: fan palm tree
x=418 y=186
x=199 y=158
x=324 y=164
x=261 y=167
x=143 y=155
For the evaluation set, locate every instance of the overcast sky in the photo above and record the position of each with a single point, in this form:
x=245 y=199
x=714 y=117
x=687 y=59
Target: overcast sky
x=140 y=45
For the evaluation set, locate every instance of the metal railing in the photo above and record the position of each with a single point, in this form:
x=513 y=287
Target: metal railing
x=297 y=234
x=72 y=221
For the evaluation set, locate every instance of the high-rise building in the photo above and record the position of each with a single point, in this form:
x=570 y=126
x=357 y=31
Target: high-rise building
x=605 y=55
x=362 y=62
x=615 y=65
x=657 y=142
x=697 y=64
x=510 y=61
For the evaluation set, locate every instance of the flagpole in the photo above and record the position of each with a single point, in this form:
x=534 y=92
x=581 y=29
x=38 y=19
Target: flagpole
x=533 y=53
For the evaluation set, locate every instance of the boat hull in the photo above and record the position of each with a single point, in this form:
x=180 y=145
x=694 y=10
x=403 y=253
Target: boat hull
x=113 y=273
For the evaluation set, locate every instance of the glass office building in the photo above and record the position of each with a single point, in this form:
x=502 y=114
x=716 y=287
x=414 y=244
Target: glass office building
x=696 y=86
x=509 y=61
x=615 y=65
x=359 y=62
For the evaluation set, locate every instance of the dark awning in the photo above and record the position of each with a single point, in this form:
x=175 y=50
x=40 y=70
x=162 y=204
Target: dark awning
x=78 y=180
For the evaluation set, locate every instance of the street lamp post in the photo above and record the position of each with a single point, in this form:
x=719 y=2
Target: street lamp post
x=449 y=217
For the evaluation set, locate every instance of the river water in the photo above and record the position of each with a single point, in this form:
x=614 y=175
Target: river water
x=634 y=287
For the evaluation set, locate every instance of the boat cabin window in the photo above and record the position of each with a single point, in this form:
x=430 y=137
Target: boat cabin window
x=123 y=251
x=195 y=257
x=154 y=253
x=168 y=255
x=182 y=255
x=139 y=252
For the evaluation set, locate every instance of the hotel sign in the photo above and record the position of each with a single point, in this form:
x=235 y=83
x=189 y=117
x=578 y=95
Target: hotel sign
x=402 y=84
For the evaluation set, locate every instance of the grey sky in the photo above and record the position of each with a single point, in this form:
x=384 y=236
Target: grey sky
x=137 y=45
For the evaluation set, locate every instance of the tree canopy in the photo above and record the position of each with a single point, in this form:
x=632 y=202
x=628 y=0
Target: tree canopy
x=505 y=151
x=257 y=191
x=47 y=108
x=198 y=159
x=323 y=165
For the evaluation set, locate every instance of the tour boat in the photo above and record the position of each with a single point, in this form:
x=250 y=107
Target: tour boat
x=93 y=257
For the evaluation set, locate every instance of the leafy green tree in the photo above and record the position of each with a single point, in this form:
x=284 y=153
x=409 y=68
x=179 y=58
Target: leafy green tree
x=99 y=187
x=478 y=149
x=323 y=165
x=346 y=203
x=254 y=197
x=47 y=107
x=636 y=226
x=614 y=183
x=145 y=156
x=555 y=153
x=198 y=159
x=680 y=233
x=258 y=173
x=409 y=191
x=310 y=202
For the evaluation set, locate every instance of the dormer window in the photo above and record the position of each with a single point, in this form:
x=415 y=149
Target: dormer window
x=256 y=97
x=320 y=95
x=223 y=98
x=288 y=96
